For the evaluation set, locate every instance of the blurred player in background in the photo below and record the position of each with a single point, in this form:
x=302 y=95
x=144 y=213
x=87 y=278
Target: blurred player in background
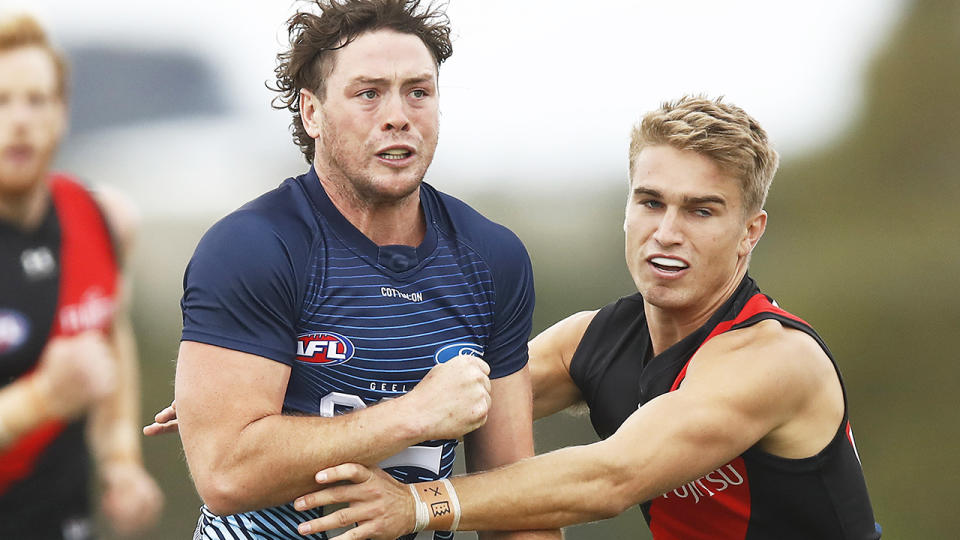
x=348 y=286
x=68 y=373
x=722 y=415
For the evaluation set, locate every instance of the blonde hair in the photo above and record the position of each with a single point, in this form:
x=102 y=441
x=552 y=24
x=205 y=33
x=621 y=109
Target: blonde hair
x=722 y=132
x=24 y=31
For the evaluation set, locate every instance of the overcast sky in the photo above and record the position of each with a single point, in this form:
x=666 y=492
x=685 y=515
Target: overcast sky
x=544 y=90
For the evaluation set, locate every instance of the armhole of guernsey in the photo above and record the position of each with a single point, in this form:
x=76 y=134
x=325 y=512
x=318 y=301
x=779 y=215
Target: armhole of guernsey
x=582 y=369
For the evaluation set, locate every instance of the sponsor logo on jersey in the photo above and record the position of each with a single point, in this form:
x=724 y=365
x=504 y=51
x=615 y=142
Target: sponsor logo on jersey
x=454 y=350
x=93 y=311
x=38 y=263
x=325 y=348
x=711 y=484
x=14 y=329
x=390 y=292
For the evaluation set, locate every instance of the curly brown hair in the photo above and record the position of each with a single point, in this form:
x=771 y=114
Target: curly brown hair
x=313 y=39
x=721 y=131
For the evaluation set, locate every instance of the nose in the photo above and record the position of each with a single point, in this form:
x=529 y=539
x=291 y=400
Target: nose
x=395 y=115
x=668 y=229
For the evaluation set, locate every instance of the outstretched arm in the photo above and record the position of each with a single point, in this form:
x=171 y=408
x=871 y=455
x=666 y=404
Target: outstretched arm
x=131 y=498
x=734 y=396
x=505 y=438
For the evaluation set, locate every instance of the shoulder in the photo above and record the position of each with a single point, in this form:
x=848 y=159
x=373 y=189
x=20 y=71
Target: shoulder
x=458 y=219
x=563 y=337
x=280 y=217
x=270 y=236
x=789 y=363
x=121 y=214
x=117 y=211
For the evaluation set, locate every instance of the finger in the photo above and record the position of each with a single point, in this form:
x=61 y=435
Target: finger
x=334 y=520
x=346 y=493
x=357 y=533
x=487 y=385
x=484 y=367
x=166 y=415
x=348 y=472
x=160 y=429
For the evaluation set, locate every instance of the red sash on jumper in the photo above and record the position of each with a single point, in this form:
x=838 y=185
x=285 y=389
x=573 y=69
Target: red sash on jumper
x=717 y=505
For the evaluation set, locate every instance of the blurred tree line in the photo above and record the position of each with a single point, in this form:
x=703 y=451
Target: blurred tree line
x=861 y=242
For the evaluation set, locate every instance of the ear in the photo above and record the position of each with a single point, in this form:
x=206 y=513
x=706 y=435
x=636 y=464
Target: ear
x=754 y=230
x=310 y=112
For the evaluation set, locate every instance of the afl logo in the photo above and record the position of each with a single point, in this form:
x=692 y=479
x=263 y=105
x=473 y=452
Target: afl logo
x=325 y=348
x=456 y=349
x=14 y=329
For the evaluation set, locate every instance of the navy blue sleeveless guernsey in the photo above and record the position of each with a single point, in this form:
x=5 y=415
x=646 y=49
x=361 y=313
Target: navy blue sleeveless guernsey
x=288 y=278
x=757 y=496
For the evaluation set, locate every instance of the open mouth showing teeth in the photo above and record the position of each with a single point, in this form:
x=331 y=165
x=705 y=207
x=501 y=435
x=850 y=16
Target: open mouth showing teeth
x=668 y=265
x=396 y=154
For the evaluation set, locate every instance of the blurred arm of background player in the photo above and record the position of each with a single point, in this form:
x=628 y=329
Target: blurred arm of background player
x=74 y=373
x=131 y=499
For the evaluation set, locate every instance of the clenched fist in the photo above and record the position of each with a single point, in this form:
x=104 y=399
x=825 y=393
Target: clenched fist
x=454 y=397
x=74 y=373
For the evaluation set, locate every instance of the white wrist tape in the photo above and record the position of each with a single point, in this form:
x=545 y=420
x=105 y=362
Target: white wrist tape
x=437 y=506
x=454 y=502
x=422 y=512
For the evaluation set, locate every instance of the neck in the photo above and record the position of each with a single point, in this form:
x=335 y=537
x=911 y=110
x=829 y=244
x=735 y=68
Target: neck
x=668 y=326
x=24 y=209
x=388 y=222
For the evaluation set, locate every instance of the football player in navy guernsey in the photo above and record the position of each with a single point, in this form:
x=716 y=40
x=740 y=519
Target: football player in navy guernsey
x=68 y=371
x=354 y=313
x=723 y=415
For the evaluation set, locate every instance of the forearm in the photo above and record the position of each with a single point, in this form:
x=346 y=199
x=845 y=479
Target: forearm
x=113 y=430
x=572 y=485
x=21 y=409
x=552 y=534
x=598 y=481
x=272 y=460
x=506 y=438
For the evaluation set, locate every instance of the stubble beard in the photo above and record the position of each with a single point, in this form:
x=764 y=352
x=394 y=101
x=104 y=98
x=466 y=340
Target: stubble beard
x=362 y=189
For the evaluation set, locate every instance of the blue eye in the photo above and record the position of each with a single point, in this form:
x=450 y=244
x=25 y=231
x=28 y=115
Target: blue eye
x=703 y=212
x=419 y=93
x=368 y=94
x=650 y=203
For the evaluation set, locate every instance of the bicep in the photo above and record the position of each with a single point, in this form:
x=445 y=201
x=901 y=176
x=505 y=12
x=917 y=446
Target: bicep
x=220 y=391
x=507 y=435
x=723 y=408
x=550 y=355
